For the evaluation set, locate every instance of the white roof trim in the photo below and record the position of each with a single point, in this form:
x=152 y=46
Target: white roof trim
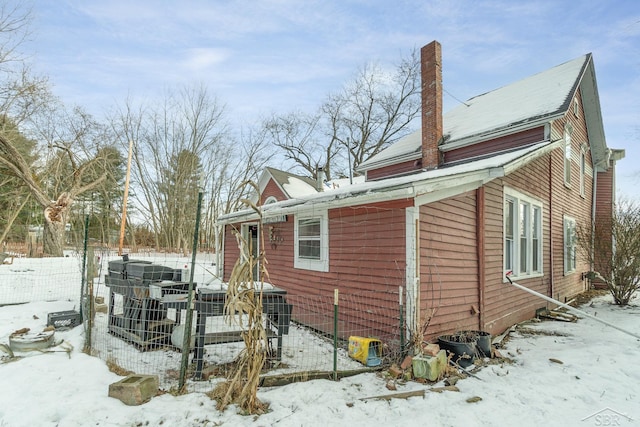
x=418 y=184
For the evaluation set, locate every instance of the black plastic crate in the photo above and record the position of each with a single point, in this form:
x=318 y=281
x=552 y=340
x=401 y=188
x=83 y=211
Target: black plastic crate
x=64 y=319
x=149 y=272
x=118 y=267
x=159 y=289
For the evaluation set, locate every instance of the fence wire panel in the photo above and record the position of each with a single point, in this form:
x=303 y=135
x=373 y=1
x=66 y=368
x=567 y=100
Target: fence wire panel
x=139 y=306
x=27 y=280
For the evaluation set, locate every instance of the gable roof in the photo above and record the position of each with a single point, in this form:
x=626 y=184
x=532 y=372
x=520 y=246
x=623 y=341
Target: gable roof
x=525 y=104
x=425 y=187
x=290 y=184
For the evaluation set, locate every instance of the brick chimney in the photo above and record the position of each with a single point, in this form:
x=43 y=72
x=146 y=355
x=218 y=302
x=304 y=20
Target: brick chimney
x=431 y=74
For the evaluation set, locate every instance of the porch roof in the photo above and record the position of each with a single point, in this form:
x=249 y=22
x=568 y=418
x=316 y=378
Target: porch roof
x=423 y=187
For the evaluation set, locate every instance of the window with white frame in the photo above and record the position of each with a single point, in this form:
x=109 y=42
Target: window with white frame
x=522 y=234
x=311 y=245
x=568 y=130
x=569 y=244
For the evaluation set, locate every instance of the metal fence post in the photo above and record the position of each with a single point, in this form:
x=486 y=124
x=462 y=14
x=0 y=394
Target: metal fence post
x=402 y=343
x=85 y=295
x=186 y=341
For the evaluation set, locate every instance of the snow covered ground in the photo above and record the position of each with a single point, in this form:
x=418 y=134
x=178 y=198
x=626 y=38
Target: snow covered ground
x=555 y=373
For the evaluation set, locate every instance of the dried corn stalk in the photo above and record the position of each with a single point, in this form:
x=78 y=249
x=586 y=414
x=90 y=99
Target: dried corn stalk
x=243 y=306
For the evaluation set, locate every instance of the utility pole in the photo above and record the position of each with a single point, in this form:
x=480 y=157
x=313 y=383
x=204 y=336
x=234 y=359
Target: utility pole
x=123 y=221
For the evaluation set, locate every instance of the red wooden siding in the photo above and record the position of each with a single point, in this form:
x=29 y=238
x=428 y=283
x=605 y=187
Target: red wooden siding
x=604 y=215
x=231 y=251
x=366 y=264
x=272 y=189
x=529 y=136
x=504 y=304
x=543 y=180
x=461 y=247
x=394 y=170
x=449 y=265
x=568 y=201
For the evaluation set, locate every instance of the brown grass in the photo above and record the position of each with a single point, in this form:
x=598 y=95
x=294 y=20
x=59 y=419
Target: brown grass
x=117 y=369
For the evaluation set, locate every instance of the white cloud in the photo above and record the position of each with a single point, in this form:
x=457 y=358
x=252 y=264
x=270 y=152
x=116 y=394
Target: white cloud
x=202 y=59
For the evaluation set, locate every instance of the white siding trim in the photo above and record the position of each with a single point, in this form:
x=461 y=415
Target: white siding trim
x=412 y=280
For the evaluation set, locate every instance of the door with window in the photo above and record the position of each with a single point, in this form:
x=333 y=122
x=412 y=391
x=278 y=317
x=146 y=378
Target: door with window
x=250 y=233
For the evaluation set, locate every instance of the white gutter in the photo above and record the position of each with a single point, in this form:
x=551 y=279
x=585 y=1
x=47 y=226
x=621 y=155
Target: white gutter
x=302 y=205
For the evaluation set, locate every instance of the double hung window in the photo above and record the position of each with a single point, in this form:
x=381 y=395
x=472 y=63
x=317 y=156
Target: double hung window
x=311 y=243
x=522 y=234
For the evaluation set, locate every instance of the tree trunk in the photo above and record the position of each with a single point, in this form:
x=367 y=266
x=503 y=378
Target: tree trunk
x=55 y=220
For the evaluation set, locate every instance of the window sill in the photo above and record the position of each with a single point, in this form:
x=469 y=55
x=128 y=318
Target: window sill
x=523 y=277
x=313 y=265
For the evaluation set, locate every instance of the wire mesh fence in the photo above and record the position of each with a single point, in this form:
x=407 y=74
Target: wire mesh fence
x=135 y=318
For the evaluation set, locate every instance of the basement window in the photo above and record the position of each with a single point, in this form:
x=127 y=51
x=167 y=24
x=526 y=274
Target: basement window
x=311 y=237
x=522 y=234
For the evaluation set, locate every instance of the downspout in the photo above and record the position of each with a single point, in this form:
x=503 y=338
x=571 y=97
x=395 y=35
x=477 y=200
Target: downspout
x=551 y=275
x=480 y=252
x=593 y=219
x=416 y=282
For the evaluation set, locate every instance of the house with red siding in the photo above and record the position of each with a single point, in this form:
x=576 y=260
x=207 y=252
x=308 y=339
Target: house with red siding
x=499 y=183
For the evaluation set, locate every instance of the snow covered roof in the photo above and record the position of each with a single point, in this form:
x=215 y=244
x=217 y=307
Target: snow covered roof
x=539 y=97
x=296 y=186
x=432 y=184
x=527 y=103
x=291 y=185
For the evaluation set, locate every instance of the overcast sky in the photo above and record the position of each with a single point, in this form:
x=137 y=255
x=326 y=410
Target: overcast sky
x=260 y=57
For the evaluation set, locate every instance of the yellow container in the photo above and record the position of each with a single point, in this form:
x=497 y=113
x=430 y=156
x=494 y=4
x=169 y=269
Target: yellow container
x=366 y=350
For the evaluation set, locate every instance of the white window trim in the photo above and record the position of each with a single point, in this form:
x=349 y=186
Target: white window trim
x=517 y=198
x=270 y=199
x=568 y=152
x=583 y=170
x=565 y=221
x=310 y=264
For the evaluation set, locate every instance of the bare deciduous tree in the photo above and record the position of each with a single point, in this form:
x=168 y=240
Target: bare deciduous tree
x=172 y=144
x=69 y=162
x=185 y=138
x=240 y=162
x=371 y=112
x=612 y=247
x=72 y=161
x=299 y=137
